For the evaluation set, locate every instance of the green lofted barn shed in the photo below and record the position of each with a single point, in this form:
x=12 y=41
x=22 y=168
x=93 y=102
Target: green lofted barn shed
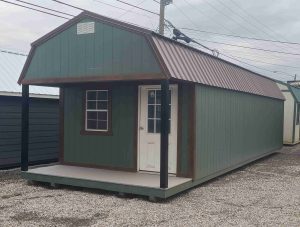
x=144 y=114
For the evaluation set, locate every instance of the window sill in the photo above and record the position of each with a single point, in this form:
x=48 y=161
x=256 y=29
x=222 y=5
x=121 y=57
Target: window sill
x=95 y=133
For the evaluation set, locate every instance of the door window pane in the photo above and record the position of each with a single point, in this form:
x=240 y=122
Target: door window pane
x=151 y=96
x=151 y=126
x=151 y=111
x=154 y=110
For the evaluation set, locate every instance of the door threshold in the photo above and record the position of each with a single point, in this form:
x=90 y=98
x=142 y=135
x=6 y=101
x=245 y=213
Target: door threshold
x=156 y=173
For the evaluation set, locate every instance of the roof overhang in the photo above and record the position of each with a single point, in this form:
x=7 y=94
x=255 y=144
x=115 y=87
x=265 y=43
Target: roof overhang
x=18 y=94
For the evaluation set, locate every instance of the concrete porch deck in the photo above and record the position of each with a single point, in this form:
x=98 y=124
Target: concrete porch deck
x=118 y=181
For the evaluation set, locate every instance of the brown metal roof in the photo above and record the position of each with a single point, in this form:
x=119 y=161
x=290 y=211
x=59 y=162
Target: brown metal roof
x=189 y=64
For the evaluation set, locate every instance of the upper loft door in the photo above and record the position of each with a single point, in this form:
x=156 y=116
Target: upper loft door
x=149 y=128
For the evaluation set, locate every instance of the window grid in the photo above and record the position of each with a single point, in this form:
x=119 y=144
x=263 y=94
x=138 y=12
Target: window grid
x=155 y=120
x=96 y=110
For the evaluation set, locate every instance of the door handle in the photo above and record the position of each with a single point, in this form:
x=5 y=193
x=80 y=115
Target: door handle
x=141 y=128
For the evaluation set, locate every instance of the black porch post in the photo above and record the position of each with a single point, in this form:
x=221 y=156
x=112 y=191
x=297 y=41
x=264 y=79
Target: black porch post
x=164 y=135
x=25 y=123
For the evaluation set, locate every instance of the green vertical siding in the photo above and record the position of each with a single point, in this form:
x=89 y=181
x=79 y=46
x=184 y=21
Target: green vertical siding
x=117 y=150
x=233 y=127
x=108 y=51
x=43 y=130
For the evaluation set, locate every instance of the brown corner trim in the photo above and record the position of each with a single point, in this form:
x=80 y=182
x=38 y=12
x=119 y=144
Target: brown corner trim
x=192 y=130
x=61 y=124
x=158 y=56
x=179 y=130
x=135 y=130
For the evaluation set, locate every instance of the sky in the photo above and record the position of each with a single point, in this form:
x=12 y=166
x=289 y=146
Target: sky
x=268 y=19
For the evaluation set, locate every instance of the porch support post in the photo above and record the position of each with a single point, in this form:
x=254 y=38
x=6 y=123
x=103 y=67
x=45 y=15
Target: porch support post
x=25 y=124
x=164 y=135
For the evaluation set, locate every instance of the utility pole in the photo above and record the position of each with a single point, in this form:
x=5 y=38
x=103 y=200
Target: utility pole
x=163 y=4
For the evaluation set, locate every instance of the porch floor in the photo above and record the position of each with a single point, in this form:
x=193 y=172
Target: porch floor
x=119 y=181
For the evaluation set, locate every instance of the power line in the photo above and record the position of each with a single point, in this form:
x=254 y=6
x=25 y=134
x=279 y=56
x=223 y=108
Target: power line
x=41 y=11
x=232 y=58
x=238 y=36
x=63 y=3
x=270 y=35
x=246 y=20
x=120 y=8
x=269 y=63
x=257 y=21
x=132 y=8
x=193 y=39
x=233 y=19
x=42 y=7
x=143 y=9
x=211 y=18
x=221 y=12
x=252 y=48
x=12 y=52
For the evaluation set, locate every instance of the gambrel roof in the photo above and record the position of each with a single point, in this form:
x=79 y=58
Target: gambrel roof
x=176 y=61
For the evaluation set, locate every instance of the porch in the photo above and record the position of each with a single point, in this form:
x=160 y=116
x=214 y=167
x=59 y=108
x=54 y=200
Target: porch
x=139 y=183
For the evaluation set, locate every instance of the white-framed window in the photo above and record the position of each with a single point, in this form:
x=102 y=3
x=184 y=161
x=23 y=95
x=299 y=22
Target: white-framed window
x=97 y=110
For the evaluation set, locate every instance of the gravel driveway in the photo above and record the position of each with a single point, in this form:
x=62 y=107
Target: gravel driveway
x=264 y=193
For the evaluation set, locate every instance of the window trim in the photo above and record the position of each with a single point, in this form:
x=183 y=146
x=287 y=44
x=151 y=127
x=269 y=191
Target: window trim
x=84 y=130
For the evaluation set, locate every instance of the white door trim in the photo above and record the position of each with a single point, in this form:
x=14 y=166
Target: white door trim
x=139 y=123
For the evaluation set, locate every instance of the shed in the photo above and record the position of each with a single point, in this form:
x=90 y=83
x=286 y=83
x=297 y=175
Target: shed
x=44 y=109
x=291 y=128
x=144 y=114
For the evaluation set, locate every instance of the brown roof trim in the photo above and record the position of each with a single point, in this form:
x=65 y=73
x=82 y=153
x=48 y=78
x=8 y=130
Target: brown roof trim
x=158 y=56
x=132 y=77
x=202 y=52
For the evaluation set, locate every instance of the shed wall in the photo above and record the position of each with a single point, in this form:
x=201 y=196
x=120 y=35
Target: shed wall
x=43 y=130
x=108 y=51
x=111 y=151
x=233 y=128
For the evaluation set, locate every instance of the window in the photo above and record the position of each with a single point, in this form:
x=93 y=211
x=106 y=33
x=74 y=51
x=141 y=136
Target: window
x=154 y=111
x=97 y=111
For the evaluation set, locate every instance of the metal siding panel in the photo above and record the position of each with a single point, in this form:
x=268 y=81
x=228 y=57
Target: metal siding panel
x=216 y=72
x=43 y=130
x=234 y=127
x=173 y=68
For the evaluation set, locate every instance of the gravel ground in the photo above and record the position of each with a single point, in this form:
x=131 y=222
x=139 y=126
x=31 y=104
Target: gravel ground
x=263 y=193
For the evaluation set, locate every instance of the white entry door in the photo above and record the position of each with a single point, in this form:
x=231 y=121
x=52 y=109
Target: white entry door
x=149 y=128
